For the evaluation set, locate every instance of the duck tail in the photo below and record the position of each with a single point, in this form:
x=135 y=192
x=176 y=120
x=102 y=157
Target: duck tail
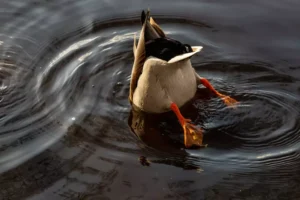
x=157 y=28
x=145 y=16
x=149 y=31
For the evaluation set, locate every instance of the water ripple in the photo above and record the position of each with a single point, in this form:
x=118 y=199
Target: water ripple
x=64 y=81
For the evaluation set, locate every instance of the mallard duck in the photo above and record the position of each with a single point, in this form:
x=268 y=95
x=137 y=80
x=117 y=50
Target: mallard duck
x=163 y=79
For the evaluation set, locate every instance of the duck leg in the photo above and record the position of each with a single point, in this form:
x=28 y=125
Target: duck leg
x=192 y=135
x=227 y=99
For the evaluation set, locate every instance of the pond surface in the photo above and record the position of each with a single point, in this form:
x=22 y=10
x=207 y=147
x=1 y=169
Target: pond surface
x=67 y=130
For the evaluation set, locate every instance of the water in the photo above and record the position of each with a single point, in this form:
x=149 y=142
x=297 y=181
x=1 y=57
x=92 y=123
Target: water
x=67 y=128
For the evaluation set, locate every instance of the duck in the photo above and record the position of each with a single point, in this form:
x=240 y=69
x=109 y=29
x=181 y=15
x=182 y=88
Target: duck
x=163 y=78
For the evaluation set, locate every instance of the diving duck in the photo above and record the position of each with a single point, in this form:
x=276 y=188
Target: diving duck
x=163 y=79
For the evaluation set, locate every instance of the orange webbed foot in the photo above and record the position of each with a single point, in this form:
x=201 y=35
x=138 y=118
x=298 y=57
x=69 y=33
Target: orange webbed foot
x=229 y=101
x=192 y=134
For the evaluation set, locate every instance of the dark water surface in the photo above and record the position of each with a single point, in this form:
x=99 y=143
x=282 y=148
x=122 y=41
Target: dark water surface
x=65 y=119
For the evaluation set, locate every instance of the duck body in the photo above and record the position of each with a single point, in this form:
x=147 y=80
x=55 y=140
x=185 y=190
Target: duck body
x=163 y=79
x=162 y=83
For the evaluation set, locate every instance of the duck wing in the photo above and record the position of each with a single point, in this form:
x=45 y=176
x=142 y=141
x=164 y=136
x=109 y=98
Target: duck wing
x=147 y=33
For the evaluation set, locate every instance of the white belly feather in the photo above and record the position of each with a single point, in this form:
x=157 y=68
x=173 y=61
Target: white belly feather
x=162 y=83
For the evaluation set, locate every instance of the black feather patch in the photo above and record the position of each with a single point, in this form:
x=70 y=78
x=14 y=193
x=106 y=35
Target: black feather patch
x=166 y=48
